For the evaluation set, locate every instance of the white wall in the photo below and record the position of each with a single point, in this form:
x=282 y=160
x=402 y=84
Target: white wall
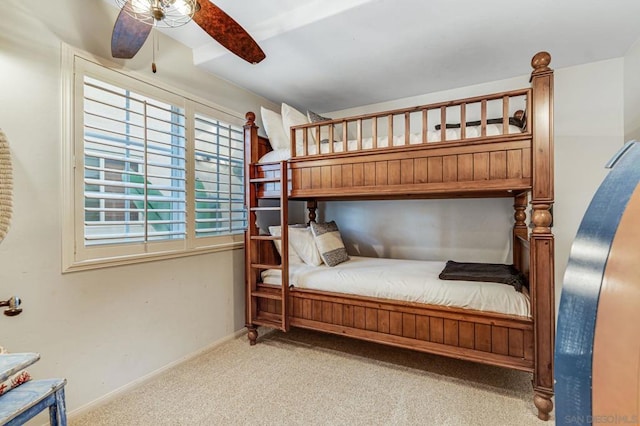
x=588 y=131
x=106 y=328
x=632 y=93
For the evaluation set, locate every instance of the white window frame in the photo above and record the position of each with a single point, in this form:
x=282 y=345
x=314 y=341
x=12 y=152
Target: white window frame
x=75 y=255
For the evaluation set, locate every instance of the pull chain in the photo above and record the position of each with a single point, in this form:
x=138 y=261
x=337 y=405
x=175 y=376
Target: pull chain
x=153 y=61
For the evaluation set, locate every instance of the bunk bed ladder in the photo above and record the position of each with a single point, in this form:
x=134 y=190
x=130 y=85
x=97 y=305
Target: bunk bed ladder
x=262 y=299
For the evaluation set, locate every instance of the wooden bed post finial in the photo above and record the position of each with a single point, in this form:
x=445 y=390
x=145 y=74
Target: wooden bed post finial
x=251 y=118
x=251 y=149
x=540 y=62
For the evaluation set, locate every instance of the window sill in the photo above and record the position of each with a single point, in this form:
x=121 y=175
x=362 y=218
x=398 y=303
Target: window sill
x=150 y=257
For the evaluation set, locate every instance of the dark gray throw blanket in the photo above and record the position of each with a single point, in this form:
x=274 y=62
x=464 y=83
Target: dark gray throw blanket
x=485 y=272
x=512 y=122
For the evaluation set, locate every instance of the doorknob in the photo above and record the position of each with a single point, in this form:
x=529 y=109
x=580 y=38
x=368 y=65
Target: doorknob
x=14 y=306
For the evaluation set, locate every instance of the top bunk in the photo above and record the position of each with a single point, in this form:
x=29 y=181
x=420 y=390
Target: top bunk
x=496 y=145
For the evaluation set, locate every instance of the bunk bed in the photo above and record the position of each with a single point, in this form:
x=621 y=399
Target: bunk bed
x=401 y=154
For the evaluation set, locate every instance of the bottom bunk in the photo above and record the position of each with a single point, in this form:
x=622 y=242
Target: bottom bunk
x=401 y=303
x=406 y=303
x=485 y=337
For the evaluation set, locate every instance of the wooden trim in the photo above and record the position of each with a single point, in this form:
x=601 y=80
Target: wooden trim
x=438 y=105
x=460 y=147
x=485 y=337
x=502 y=188
x=480 y=167
x=417 y=308
x=252 y=152
x=416 y=344
x=284 y=259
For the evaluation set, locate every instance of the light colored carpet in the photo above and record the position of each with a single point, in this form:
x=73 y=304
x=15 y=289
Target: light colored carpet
x=308 y=378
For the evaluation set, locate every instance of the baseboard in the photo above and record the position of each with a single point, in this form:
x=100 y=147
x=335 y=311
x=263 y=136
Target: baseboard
x=134 y=384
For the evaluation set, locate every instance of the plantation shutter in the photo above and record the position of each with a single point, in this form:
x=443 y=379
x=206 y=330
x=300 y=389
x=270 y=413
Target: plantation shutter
x=219 y=177
x=134 y=167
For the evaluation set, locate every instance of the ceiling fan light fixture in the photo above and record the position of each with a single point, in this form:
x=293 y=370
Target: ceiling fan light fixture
x=137 y=18
x=160 y=13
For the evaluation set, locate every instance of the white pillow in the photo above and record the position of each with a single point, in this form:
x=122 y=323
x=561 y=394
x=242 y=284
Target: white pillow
x=293 y=256
x=305 y=245
x=292 y=117
x=272 y=122
x=302 y=245
x=275 y=156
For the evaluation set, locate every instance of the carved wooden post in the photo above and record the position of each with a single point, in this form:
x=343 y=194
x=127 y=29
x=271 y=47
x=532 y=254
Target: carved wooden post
x=519 y=228
x=251 y=138
x=541 y=278
x=250 y=246
x=312 y=206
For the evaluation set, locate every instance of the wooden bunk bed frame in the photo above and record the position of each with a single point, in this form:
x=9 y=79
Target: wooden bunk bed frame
x=507 y=165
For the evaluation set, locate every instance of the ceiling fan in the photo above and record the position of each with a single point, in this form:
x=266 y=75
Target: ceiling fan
x=138 y=17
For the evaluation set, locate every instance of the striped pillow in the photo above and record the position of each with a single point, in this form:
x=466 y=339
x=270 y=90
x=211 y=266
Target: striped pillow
x=329 y=242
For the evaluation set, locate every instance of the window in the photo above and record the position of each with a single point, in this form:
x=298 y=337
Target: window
x=219 y=177
x=134 y=167
x=156 y=174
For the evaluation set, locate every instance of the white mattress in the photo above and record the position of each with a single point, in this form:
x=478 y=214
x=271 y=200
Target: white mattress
x=407 y=280
x=383 y=141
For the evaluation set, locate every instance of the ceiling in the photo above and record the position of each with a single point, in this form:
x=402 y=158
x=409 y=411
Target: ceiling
x=327 y=55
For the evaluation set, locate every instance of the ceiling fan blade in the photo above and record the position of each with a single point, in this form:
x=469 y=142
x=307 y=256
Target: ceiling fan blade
x=128 y=35
x=226 y=31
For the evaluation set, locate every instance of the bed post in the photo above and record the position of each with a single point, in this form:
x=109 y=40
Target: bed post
x=251 y=246
x=251 y=139
x=312 y=205
x=541 y=278
x=519 y=228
